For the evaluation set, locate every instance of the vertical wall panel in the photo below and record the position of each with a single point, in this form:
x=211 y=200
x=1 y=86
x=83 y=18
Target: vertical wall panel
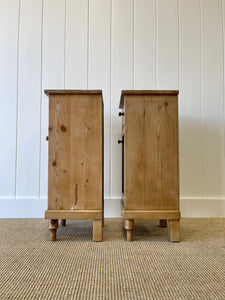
x=76 y=44
x=190 y=100
x=29 y=97
x=213 y=134
x=144 y=44
x=99 y=69
x=9 y=17
x=52 y=70
x=122 y=78
x=167 y=46
x=112 y=45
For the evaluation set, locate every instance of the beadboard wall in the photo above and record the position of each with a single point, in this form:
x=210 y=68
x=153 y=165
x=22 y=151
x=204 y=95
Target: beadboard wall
x=111 y=45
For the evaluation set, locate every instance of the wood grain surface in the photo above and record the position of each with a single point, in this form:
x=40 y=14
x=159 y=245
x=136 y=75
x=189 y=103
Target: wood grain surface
x=145 y=92
x=151 y=152
x=75 y=152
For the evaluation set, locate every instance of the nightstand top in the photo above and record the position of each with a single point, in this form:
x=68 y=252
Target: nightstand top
x=72 y=92
x=145 y=92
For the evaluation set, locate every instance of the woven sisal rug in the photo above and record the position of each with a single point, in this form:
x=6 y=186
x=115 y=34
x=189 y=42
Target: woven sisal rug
x=74 y=267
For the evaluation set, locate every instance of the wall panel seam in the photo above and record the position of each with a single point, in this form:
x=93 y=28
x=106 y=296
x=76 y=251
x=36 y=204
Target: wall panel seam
x=17 y=97
x=110 y=125
x=179 y=47
x=202 y=98
x=223 y=45
x=156 y=44
x=88 y=42
x=65 y=45
x=133 y=44
x=41 y=98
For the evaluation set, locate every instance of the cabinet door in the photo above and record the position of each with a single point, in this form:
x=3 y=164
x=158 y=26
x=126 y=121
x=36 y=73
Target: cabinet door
x=75 y=152
x=151 y=152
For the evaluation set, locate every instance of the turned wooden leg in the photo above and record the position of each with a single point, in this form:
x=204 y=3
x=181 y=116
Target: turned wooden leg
x=163 y=223
x=63 y=222
x=53 y=225
x=129 y=226
x=97 y=230
x=174 y=230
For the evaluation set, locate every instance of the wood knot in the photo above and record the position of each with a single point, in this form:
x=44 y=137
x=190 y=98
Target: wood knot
x=63 y=128
x=50 y=129
x=54 y=163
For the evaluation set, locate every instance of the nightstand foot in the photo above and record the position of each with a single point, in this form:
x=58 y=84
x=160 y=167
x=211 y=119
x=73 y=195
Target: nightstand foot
x=53 y=225
x=163 y=223
x=129 y=227
x=97 y=230
x=63 y=222
x=174 y=230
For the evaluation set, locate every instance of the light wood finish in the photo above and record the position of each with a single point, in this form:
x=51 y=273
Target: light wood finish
x=145 y=92
x=129 y=227
x=151 y=152
x=75 y=168
x=53 y=225
x=151 y=158
x=163 y=223
x=97 y=230
x=74 y=214
x=151 y=214
x=73 y=92
x=174 y=230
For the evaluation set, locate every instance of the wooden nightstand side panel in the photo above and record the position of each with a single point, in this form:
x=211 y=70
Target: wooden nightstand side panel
x=75 y=166
x=75 y=152
x=151 y=158
x=151 y=152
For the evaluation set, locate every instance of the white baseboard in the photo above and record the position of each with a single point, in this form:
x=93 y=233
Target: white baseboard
x=22 y=207
x=190 y=207
x=35 y=207
x=202 y=208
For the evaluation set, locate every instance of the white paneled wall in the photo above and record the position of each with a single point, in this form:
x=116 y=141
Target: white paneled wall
x=122 y=77
x=111 y=45
x=53 y=71
x=190 y=85
x=28 y=99
x=145 y=44
x=99 y=66
x=9 y=32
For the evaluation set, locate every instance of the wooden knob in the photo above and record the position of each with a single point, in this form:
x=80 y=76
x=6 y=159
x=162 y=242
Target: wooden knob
x=46 y=138
x=121 y=114
x=120 y=142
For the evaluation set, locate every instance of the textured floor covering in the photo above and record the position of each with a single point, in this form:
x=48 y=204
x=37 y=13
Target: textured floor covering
x=74 y=267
